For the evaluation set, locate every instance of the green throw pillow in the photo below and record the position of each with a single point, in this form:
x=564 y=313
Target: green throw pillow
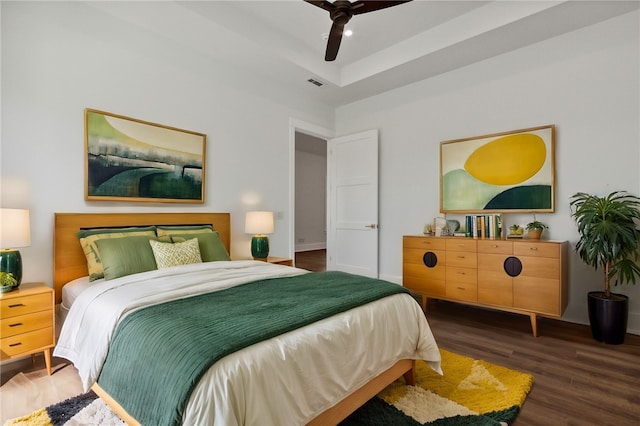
x=88 y=238
x=182 y=229
x=211 y=247
x=174 y=254
x=126 y=256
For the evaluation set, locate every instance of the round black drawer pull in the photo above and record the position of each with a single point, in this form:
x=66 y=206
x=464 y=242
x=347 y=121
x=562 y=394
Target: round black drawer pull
x=512 y=266
x=430 y=259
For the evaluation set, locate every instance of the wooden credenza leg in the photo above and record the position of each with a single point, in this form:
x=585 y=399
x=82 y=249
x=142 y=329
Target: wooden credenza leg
x=534 y=324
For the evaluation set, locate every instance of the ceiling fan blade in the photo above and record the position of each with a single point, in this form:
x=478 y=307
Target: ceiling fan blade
x=363 y=6
x=333 y=44
x=323 y=4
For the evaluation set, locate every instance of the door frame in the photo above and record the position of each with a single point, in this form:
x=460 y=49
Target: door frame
x=296 y=125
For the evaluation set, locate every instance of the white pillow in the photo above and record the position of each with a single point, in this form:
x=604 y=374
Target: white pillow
x=174 y=254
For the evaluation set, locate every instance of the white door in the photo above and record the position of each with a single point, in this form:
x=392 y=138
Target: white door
x=352 y=181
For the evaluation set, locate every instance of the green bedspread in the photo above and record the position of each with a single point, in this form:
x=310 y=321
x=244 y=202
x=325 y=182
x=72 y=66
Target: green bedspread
x=159 y=353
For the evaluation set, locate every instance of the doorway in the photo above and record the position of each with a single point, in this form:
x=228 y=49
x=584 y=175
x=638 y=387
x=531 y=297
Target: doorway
x=310 y=228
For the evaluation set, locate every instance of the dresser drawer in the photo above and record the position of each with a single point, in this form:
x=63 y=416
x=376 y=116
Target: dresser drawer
x=25 y=323
x=461 y=275
x=462 y=290
x=495 y=247
x=427 y=243
x=526 y=248
x=461 y=244
x=11 y=307
x=26 y=342
x=462 y=259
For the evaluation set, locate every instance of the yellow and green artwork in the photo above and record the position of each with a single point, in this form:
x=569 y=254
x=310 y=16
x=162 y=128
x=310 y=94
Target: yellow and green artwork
x=509 y=171
x=134 y=160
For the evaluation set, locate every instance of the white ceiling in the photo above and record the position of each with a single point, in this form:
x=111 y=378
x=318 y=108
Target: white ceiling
x=281 y=41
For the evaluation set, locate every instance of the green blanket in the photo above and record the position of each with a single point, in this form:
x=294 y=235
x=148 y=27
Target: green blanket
x=158 y=354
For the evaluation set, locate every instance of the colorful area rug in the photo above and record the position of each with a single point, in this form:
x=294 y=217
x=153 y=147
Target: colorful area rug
x=471 y=392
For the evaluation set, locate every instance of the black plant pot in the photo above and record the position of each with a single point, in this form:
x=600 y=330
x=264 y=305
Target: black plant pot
x=608 y=317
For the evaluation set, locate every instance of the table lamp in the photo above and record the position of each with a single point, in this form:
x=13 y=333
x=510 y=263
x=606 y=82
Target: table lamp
x=259 y=223
x=14 y=233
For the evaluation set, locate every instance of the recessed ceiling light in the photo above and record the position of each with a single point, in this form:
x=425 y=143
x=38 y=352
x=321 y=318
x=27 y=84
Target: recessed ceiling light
x=346 y=33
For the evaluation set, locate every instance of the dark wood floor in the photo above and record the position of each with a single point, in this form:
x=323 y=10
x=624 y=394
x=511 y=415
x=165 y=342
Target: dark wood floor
x=578 y=381
x=312 y=260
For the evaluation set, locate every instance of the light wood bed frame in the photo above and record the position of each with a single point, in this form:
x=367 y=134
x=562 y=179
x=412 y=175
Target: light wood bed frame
x=70 y=263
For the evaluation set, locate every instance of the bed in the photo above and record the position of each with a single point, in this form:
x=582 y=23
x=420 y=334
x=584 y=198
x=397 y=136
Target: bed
x=317 y=373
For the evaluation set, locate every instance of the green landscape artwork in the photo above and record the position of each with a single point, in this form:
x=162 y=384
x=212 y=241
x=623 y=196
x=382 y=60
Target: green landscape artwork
x=134 y=160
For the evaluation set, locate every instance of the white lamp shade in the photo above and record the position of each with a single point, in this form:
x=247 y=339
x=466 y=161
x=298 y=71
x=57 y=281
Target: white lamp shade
x=14 y=228
x=258 y=223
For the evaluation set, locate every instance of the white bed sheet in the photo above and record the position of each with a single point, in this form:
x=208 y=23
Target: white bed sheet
x=286 y=380
x=73 y=289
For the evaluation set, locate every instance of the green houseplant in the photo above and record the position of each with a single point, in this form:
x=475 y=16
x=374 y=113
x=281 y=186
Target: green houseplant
x=610 y=240
x=535 y=228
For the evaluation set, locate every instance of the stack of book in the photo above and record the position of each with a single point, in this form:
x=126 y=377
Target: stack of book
x=483 y=225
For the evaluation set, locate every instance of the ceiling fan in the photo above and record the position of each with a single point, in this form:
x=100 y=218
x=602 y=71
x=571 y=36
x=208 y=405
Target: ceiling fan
x=341 y=12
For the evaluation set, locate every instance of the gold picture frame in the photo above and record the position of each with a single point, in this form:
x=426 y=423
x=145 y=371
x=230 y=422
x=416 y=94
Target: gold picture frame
x=127 y=159
x=509 y=172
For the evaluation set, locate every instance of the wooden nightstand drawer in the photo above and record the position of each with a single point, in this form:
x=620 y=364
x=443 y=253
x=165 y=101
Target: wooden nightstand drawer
x=26 y=342
x=11 y=307
x=25 y=323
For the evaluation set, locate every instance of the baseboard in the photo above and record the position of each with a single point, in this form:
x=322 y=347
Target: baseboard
x=311 y=246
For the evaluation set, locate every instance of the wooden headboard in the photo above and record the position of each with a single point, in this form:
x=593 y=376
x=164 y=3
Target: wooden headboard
x=69 y=261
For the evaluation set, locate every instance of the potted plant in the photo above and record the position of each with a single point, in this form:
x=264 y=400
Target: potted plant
x=609 y=239
x=535 y=228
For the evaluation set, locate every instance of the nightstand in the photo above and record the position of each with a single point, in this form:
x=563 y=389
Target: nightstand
x=27 y=322
x=280 y=260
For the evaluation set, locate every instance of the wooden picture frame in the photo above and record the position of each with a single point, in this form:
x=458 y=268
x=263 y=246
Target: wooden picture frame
x=509 y=172
x=127 y=159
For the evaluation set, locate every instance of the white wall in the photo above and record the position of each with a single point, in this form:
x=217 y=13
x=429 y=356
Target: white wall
x=60 y=58
x=585 y=82
x=311 y=201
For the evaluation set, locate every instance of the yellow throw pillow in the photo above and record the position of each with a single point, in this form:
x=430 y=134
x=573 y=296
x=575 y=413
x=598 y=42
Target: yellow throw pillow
x=174 y=254
x=88 y=238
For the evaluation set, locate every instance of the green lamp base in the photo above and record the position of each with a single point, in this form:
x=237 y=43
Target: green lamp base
x=10 y=270
x=260 y=246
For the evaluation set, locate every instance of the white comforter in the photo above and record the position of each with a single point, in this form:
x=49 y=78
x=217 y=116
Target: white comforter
x=286 y=380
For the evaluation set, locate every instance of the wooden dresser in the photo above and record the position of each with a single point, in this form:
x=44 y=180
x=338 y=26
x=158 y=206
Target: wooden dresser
x=27 y=322
x=522 y=276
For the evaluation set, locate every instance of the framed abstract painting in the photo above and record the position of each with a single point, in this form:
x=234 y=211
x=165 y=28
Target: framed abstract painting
x=127 y=159
x=503 y=172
